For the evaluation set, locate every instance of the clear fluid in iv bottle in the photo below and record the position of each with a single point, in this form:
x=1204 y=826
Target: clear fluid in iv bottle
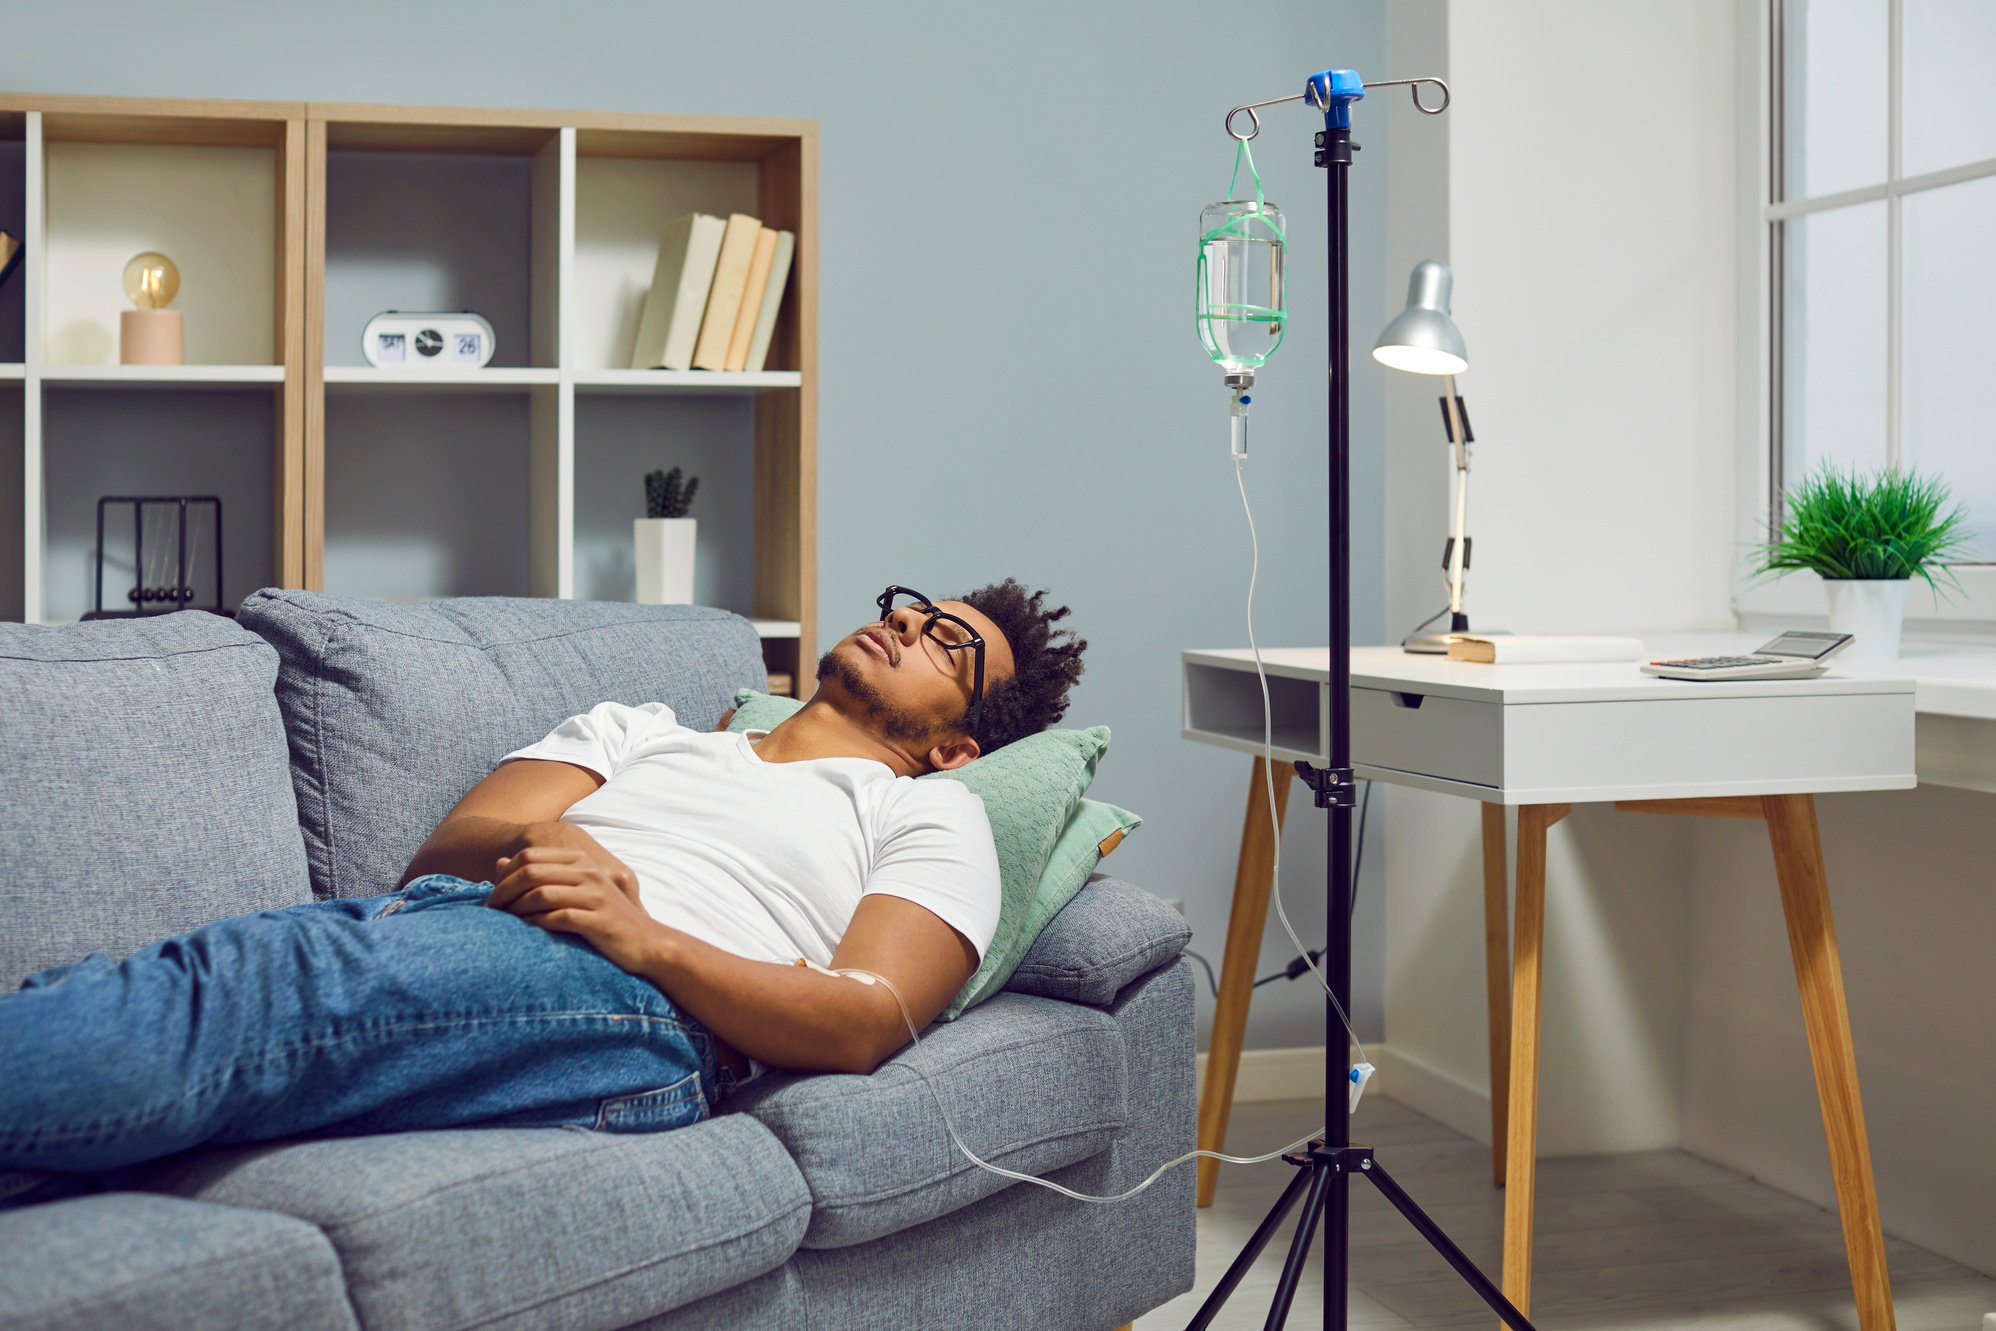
x=1241 y=299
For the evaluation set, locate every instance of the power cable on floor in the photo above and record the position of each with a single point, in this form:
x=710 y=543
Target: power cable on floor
x=1297 y=968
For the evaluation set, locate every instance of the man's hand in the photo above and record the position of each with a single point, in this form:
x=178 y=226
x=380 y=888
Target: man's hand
x=565 y=890
x=567 y=836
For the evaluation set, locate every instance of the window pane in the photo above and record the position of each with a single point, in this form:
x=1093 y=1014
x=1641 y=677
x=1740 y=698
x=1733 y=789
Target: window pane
x=1833 y=340
x=1950 y=99
x=1833 y=86
x=1949 y=292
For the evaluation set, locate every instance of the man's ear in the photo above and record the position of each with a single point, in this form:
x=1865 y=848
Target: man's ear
x=946 y=757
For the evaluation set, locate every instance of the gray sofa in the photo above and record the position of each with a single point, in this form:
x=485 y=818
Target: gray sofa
x=159 y=773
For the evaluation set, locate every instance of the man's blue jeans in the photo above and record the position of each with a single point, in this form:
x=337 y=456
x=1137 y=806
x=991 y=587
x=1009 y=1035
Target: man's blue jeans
x=420 y=1008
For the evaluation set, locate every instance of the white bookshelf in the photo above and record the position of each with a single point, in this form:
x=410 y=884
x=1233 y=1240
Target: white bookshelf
x=86 y=183
x=293 y=224
x=370 y=379
x=549 y=444
x=160 y=376
x=642 y=382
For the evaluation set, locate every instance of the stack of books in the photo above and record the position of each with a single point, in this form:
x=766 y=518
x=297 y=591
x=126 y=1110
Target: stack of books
x=714 y=294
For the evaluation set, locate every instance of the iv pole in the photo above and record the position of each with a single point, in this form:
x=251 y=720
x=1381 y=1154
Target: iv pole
x=1329 y=1164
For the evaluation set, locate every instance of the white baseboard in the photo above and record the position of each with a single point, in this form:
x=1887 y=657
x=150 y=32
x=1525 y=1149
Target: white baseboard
x=1286 y=1074
x=1442 y=1096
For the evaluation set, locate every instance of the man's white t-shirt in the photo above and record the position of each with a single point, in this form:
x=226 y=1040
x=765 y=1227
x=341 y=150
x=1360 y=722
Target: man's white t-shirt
x=770 y=860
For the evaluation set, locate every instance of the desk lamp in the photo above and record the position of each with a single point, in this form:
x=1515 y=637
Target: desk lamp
x=1422 y=339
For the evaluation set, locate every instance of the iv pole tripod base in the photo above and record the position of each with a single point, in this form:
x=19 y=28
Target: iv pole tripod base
x=1317 y=1171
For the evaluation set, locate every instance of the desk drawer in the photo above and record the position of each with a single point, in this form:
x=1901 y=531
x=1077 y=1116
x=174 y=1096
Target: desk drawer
x=1449 y=738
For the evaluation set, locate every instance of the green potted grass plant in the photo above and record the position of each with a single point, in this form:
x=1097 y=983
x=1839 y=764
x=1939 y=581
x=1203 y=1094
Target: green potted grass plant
x=1867 y=536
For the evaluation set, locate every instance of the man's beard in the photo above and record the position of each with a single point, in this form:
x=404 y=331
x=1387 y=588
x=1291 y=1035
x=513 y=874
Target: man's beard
x=894 y=723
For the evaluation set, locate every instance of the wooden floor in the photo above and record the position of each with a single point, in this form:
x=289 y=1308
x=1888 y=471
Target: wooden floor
x=1650 y=1240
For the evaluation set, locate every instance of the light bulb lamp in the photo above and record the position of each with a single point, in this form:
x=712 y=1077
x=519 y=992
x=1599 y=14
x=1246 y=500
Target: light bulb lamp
x=1423 y=339
x=1327 y=1168
x=151 y=333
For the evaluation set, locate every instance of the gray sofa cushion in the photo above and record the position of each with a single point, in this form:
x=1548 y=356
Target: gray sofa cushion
x=552 y=1226
x=772 y=1300
x=138 y=1262
x=146 y=787
x=1106 y=936
x=874 y=1149
x=1085 y=1264
x=396 y=709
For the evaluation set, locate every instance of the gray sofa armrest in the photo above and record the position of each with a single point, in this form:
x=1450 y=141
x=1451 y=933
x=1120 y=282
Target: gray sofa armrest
x=1109 y=934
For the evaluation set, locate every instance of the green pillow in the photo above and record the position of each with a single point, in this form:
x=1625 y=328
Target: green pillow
x=1048 y=836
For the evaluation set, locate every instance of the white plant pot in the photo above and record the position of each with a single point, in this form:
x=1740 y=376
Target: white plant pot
x=664 y=551
x=1871 y=609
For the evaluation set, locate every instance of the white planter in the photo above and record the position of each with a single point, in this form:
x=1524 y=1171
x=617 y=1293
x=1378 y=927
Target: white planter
x=1872 y=609
x=664 y=550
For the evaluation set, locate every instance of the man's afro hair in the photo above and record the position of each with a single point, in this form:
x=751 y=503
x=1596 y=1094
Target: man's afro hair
x=1046 y=663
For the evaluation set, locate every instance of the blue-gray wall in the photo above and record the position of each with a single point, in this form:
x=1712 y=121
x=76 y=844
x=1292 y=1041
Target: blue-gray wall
x=1010 y=380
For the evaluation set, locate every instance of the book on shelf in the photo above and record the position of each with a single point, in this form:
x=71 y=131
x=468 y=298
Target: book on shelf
x=751 y=306
x=1542 y=648
x=680 y=284
x=781 y=686
x=772 y=300
x=724 y=301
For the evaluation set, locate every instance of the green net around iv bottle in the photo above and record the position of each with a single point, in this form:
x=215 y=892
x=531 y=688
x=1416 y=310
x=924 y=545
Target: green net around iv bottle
x=1240 y=299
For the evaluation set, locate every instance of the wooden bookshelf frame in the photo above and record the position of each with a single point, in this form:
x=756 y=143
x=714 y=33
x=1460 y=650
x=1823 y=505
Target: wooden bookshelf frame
x=784 y=157
x=279 y=126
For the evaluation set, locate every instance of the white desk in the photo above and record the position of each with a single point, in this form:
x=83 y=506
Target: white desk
x=1544 y=738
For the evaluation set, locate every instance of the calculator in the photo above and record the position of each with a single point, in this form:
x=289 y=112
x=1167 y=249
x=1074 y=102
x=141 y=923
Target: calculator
x=1793 y=655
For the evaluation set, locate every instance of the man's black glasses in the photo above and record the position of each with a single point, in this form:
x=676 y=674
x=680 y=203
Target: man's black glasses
x=950 y=632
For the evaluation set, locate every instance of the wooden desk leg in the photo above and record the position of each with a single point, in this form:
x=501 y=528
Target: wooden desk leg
x=1243 y=954
x=1812 y=937
x=1528 y=932
x=1497 y=978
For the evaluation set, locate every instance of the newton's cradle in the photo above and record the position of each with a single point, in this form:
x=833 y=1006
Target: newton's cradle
x=173 y=552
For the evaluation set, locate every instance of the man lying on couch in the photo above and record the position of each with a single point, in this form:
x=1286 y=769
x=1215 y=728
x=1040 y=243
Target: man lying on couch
x=605 y=932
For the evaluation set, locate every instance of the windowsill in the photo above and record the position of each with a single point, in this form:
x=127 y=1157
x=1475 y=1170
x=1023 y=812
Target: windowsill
x=1954 y=678
x=1964 y=614
x=1954 y=699
x=1951 y=657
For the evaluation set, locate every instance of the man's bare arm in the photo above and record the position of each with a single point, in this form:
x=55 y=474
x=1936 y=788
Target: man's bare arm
x=918 y=951
x=497 y=816
x=789 y=1016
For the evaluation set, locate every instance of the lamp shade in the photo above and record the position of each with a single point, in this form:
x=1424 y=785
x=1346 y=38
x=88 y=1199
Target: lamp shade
x=1422 y=338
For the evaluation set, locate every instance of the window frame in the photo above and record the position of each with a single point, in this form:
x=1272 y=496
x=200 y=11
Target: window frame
x=1761 y=480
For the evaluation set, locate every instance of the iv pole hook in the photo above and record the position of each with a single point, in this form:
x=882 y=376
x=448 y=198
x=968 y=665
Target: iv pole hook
x=1413 y=87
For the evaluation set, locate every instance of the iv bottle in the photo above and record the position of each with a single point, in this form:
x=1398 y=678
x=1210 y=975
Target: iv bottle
x=1241 y=299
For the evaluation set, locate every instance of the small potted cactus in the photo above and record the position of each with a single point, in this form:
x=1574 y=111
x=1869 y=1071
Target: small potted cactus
x=664 y=540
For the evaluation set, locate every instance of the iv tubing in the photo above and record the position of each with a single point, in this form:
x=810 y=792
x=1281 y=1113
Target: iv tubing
x=869 y=977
